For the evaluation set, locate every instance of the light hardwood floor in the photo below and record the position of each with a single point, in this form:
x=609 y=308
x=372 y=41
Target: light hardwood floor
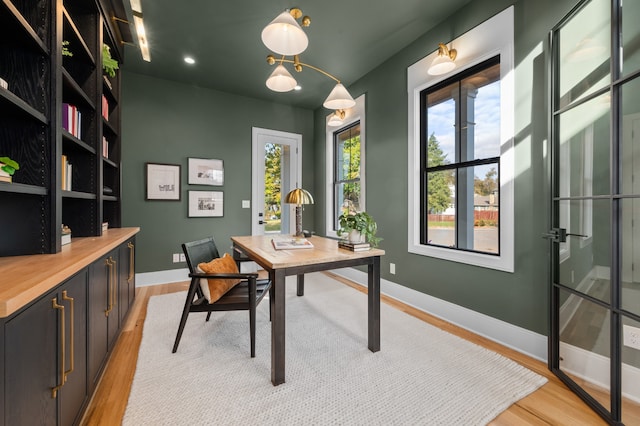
x=552 y=404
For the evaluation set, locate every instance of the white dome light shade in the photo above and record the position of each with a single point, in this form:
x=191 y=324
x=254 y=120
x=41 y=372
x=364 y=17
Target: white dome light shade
x=281 y=80
x=442 y=64
x=284 y=36
x=334 y=120
x=339 y=98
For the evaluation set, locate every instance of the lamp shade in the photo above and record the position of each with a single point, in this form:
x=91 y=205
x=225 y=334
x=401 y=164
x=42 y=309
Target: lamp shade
x=334 y=120
x=339 y=98
x=442 y=64
x=281 y=80
x=284 y=36
x=299 y=196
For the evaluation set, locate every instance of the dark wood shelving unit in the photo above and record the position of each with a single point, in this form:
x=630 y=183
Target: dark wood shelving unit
x=41 y=80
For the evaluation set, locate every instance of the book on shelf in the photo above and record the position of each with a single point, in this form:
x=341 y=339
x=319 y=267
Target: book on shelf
x=291 y=243
x=105 y=108
x=66 y=169
x=72 y=120
x=105 y=147
x=5 y=178
x=354 y=246
x=4 y=84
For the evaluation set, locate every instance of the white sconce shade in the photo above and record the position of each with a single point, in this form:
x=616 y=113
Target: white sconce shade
x=284 y=36
x=339 y=98
x=281 y=80
x=442 y=64
x=334 y=120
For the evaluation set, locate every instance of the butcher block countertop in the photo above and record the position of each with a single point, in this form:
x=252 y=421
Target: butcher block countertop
x=26 y=278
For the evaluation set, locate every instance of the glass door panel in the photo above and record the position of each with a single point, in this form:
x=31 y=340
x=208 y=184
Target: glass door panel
x=584 y=133
x=584 y=52
x=631 y=255
x=630 y=36
x=630 y=149
x=630 y=374
x=585 y=345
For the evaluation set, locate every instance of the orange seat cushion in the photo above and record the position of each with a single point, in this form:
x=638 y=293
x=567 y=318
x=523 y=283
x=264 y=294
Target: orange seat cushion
x=218 y=287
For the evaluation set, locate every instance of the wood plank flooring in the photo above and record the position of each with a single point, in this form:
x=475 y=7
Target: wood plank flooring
x=552 y=404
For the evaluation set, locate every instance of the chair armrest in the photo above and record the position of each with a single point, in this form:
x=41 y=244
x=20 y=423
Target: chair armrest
x=225 y=276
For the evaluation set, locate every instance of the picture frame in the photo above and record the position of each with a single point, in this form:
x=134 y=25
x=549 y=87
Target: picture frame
x=204 y=171
x=162 y=181
x=206 y=203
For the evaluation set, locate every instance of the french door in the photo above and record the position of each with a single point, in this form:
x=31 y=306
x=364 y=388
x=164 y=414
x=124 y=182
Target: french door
x=276 y=170
x=594 y=342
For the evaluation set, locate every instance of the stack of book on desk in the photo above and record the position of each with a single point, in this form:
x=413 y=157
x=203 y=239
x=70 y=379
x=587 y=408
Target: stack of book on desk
x=353 y=246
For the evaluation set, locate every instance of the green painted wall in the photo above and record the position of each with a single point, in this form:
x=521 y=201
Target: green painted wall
x=168 y=122
x=520 y=298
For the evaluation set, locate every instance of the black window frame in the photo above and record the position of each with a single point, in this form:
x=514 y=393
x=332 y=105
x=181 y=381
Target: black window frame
x=335 y=181
x=425 y=169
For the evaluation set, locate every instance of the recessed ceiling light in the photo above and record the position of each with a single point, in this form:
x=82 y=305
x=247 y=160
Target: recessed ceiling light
x=298 y=87
x=189 y=60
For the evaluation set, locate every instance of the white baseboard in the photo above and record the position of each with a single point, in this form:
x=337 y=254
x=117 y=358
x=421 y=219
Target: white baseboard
x=509 y=335
x=595 y=369
x=162 y=277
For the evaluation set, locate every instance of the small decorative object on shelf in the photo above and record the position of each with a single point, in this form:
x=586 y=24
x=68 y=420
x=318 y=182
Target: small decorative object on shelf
x=66 y=235
x=354 y=246
x=65 y=49
x=105 y=226
x=359 y=227
x=109 y=64
x=7 y=168
x=4 y=84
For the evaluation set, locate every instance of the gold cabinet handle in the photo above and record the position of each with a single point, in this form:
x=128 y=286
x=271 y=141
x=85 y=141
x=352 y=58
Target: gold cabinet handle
x=55 y=305
x=110 y=273
x=114 y=284
x=72 y=343
x=132 y=262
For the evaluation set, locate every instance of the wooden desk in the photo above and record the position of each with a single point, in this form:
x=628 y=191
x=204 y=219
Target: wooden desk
x=325 y=255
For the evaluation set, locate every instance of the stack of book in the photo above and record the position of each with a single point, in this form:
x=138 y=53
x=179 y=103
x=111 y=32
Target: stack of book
x=72 y=120
x=353 y=246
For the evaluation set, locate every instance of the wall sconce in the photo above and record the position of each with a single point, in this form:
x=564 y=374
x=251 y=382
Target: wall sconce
x=337 y=118
x=299 y=197
x=443 y=63
x=284 y=36
x=136 y=8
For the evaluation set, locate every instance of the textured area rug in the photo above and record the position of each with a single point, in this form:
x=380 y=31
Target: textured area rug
x=421 y=375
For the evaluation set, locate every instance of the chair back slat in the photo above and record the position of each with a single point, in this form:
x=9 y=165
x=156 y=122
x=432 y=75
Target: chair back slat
x=199 y=251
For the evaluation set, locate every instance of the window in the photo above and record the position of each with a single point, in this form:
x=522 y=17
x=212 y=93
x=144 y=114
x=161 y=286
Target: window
x=345 y=166
x=346 y=180
x=460 y=152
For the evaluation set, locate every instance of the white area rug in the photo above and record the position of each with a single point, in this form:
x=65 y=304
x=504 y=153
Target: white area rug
x=421 y=375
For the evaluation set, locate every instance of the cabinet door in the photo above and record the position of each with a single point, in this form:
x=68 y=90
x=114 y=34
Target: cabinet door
x=44 y=351
x=74 y=393
x=99 y=291
x=127 y=278
x=31 y=370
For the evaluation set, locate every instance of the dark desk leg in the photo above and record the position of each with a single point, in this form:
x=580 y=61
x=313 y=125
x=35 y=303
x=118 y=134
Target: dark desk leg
x=300 y=291
x=277 y=328
x=374 y=305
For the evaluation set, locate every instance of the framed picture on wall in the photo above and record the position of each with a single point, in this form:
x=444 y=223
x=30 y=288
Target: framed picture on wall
x=162 y=182
x=206 y=204
x=206 y=171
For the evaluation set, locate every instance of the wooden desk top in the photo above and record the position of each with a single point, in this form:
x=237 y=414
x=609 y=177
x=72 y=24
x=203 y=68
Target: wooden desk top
x=25 y=278
x=324 y=250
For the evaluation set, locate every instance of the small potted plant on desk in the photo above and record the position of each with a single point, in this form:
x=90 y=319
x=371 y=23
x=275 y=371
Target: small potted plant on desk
x=359 y=227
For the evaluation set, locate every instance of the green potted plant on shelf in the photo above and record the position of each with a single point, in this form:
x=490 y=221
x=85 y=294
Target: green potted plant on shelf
x=109 y=64
x=7 y=168
x=359 y=227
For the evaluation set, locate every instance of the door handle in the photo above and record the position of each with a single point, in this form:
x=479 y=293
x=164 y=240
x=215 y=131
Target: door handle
x=557 y=235
x=260 y=222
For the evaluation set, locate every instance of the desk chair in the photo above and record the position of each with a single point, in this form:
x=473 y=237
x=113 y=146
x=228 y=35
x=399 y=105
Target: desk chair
x=246 y=295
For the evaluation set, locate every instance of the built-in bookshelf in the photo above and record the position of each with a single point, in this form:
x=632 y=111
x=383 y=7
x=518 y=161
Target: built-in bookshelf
x=53 y=121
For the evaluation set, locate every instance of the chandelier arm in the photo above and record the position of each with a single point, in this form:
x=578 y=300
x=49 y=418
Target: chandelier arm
x=290 y=61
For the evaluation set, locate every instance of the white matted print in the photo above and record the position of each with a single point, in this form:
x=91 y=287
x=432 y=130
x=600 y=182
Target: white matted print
x=206 y=204
x=163 y=182
x=206 y=172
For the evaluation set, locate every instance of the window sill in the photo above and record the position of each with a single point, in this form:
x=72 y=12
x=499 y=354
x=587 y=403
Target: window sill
x=503 y=262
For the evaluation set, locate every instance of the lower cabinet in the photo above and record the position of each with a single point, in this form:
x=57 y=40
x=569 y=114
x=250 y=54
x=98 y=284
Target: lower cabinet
x=56 y=348
x=45 y=358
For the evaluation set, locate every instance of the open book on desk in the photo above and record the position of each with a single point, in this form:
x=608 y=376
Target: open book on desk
x=289 y=243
